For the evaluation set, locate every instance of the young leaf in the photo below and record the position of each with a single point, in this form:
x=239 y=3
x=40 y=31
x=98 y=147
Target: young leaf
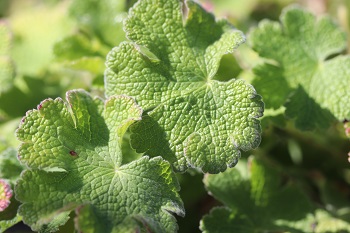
x=256 y=199
x=74 y=154
x=170 y=69
x=306 y=73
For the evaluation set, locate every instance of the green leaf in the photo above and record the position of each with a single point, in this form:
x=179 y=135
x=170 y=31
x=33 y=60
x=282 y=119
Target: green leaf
x=6 y=224
x=309 y=114
x=221 y=220
x=304 y=71
x=58 y=220
x=10 y=167
x=254 y=195
x=102 y=18
x=75 y=158
x=80 y=52
x=170 y=68
x=8 y=140
x=75 y=47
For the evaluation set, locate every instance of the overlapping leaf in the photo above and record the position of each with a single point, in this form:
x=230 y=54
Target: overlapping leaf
x=170 y=68
x=74 y=153
x=304 y=71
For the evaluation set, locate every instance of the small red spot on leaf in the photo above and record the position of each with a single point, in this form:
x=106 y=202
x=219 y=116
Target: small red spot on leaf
x=73 y=153
x=40 y=106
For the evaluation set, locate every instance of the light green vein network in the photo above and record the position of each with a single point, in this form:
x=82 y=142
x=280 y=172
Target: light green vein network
x=170 y=67
x=74 y=154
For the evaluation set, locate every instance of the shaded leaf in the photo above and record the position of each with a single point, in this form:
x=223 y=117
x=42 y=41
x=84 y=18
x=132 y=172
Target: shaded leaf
x=303 y=71
x=254 y=194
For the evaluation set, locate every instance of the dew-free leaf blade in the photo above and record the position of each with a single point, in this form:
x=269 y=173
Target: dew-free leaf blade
x=253 y=196
x=169 y=68
x=303 y=51
x=74 y=151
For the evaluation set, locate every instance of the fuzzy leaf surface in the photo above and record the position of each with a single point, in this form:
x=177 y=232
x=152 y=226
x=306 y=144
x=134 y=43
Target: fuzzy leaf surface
x=73 y=150
x=170 y=68
x=305 y=71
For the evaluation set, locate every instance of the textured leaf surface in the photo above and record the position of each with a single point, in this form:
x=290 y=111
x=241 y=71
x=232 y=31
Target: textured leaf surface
x=74 y=153
x=170 y=68
x=254 y=195
x=303 y=69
